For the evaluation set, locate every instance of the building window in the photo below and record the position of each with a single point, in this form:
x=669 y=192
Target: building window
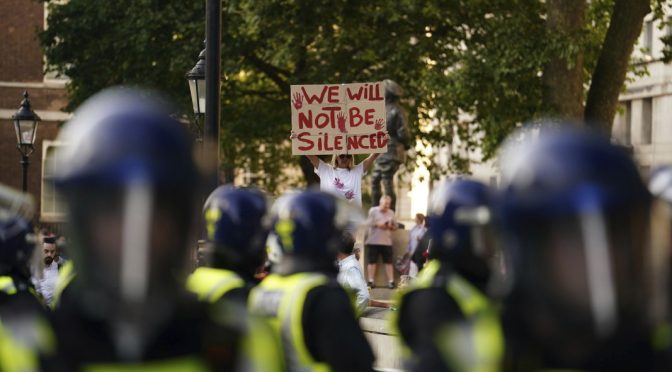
x=52 y=207
x=627 y=124
x=648 y=37
x=647 y=120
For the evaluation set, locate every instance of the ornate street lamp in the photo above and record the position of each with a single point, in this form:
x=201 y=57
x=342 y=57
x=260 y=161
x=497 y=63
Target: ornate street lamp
x=196 y=79
x=210 y=104
x=25 y=126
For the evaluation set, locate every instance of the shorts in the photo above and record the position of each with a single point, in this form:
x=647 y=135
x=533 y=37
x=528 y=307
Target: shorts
x=375 y=250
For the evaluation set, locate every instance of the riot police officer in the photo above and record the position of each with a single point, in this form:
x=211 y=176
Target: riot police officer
x=446 y=318
x=127 y=175
x=310 y=314
x=575 y=217
x=236 y=227
x=22 y=316
x=17 y=243
x=236 y=224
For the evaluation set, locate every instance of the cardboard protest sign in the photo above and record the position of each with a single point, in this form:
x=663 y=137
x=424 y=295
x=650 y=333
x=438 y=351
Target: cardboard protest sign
x=339 y=119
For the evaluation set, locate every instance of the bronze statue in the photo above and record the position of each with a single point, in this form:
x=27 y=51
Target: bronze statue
x=388 y=163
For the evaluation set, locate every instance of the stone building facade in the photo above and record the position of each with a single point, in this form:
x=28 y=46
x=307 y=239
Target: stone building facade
x=644 y=122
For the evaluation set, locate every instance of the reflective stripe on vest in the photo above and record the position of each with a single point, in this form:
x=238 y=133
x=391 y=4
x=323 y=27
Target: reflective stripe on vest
x=280 y=300
x=7 y=285
x=468 y=298
x=65 y=277
x=476 y=344
x=19 y=351
x=211 y=284
x=14 y=356
x=261 y=349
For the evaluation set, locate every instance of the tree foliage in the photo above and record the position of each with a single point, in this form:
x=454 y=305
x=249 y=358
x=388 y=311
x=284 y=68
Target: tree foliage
x=98 y=44
x=471 y=69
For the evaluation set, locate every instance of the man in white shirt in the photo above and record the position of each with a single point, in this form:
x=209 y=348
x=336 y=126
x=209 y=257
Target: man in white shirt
x=350 y=274
x=343 y=178
x=47 y=283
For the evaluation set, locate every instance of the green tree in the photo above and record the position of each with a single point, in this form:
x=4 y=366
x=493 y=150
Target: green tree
x=98 y=44
x=474 y=69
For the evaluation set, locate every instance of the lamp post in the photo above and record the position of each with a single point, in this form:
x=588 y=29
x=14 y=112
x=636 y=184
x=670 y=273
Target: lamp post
x=196 y=80
x=211 y=85
x=213 y=70
x=25 y=126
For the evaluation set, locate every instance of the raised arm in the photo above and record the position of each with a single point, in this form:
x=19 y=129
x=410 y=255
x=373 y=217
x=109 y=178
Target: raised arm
x=314 y=160
x=368 y=162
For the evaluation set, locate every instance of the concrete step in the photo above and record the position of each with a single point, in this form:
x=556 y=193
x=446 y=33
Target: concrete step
x=381 y=293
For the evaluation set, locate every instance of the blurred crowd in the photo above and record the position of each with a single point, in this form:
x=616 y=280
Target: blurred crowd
x=565 y=265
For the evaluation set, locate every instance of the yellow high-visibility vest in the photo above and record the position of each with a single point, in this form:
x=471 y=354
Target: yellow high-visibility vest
x=65 y=276
x=280 y=301
x=7 y=285
x=20 y=351
x=474 y=345
x=259 y=352
x=211 y=284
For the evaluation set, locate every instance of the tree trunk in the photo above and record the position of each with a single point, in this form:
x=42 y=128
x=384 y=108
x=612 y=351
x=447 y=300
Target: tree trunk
x=563 y=76
x=612 y=65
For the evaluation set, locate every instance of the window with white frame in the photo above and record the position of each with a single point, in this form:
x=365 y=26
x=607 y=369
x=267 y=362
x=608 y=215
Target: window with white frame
x=648 y=37
x=627 y=125
x=52 y=206
x=647 y=120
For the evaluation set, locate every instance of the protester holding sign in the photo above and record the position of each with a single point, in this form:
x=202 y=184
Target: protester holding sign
x=339 y=119
x=343 y=179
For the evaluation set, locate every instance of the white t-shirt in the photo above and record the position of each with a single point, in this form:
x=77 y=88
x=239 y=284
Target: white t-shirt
x=47 y=284
x=351 y=276
x=375 y=234
x=346 y=183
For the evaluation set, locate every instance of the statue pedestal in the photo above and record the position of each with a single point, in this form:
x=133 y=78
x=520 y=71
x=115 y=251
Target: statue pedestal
x=384 y=342
x=399 y=243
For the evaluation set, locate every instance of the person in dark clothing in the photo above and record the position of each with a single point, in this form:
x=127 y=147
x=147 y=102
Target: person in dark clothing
x=131 y=186
x=302 y=294
x=21 y=313
x=445 y=316
x=236 y=230
x=422 y=250
x=575 y=219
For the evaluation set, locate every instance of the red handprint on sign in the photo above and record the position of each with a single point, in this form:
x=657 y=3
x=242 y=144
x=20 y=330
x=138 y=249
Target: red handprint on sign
x=340 y=119
x=379 y=124
x=298 y=100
